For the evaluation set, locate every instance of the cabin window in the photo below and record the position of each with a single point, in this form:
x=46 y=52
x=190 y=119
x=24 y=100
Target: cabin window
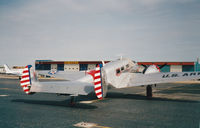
x=117 y=71
x=122 y=68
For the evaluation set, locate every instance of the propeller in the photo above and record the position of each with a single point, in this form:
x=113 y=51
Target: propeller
x=146 y=67
x=163 y=65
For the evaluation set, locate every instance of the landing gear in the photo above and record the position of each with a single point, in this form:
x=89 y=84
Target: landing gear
x=72 y=101
x=149 y=91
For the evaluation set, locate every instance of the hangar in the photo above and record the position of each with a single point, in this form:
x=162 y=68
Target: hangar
x=66 y=65
x=88 y=65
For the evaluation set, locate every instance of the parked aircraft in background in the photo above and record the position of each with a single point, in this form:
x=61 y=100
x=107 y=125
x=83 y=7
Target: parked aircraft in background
x=51 y=73
x=17 y=72
x=121 y=73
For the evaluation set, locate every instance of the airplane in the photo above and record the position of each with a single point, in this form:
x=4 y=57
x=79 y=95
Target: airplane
x=121 y=73
x=17 y=72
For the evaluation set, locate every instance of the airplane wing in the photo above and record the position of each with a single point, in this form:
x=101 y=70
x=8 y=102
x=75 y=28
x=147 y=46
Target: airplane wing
x=137 y=79
x=63 y=87
x=64 y=75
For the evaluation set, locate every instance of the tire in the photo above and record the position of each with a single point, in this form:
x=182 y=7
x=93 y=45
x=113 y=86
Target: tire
x=149 y=91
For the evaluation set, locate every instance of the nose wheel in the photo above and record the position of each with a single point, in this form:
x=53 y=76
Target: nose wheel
x=149 y=91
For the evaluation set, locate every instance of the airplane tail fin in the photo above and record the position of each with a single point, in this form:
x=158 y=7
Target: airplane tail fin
x=27 y=78
x=7 y=68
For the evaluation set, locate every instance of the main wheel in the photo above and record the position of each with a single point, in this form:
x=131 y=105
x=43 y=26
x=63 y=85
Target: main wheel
x=149 y=91
x=72 y=101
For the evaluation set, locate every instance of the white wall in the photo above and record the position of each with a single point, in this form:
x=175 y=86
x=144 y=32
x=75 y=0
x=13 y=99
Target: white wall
x=53 y=66
x=176 y=68
x=91 y=66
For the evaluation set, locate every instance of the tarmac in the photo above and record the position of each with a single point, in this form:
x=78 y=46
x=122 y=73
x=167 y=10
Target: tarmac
x=174 y=105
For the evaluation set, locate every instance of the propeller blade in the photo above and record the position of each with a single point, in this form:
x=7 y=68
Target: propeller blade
x=145 y=68
x=163 y=65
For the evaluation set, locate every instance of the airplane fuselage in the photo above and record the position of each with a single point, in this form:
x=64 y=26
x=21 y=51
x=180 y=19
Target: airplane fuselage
x=114 y=72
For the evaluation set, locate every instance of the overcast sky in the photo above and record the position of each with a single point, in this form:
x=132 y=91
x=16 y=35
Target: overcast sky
x=144 y=30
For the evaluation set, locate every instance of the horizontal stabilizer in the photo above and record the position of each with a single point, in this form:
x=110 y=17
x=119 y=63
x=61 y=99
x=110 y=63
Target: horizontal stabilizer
x=63 y=87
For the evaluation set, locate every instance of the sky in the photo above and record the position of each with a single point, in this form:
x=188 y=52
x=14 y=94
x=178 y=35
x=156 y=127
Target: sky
x=143 y=30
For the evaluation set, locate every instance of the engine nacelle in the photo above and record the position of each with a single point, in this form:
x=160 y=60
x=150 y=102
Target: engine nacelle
x=152 y=69
x=115 y=73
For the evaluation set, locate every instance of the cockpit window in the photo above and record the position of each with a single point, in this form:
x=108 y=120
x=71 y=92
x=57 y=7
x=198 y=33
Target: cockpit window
x=122 y=68
x=127 y=66
x=117 y=71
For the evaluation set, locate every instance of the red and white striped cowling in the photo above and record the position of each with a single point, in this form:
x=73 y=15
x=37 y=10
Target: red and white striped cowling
x=25 y=80
x=98 y=83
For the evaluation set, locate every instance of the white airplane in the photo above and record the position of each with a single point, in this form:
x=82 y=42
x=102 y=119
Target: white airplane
x=121 y=73
x=17 y=72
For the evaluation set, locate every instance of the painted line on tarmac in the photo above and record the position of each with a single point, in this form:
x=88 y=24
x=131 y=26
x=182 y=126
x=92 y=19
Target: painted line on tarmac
x=89 y=101
x=3 y=95
x=4 y=88
x=8 y=89
x=89 y=125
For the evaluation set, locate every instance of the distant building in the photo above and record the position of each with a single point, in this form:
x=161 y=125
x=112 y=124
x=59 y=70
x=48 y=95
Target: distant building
x=66 y=65
x=88 y=65
x=2 y=69
x=172 y=66
x=197 y=65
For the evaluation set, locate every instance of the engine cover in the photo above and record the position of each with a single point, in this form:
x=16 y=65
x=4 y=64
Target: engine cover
x=152 y=69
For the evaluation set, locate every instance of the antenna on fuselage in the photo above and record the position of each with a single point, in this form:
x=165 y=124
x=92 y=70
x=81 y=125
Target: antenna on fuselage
x=121 y=57
x=103 y=63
